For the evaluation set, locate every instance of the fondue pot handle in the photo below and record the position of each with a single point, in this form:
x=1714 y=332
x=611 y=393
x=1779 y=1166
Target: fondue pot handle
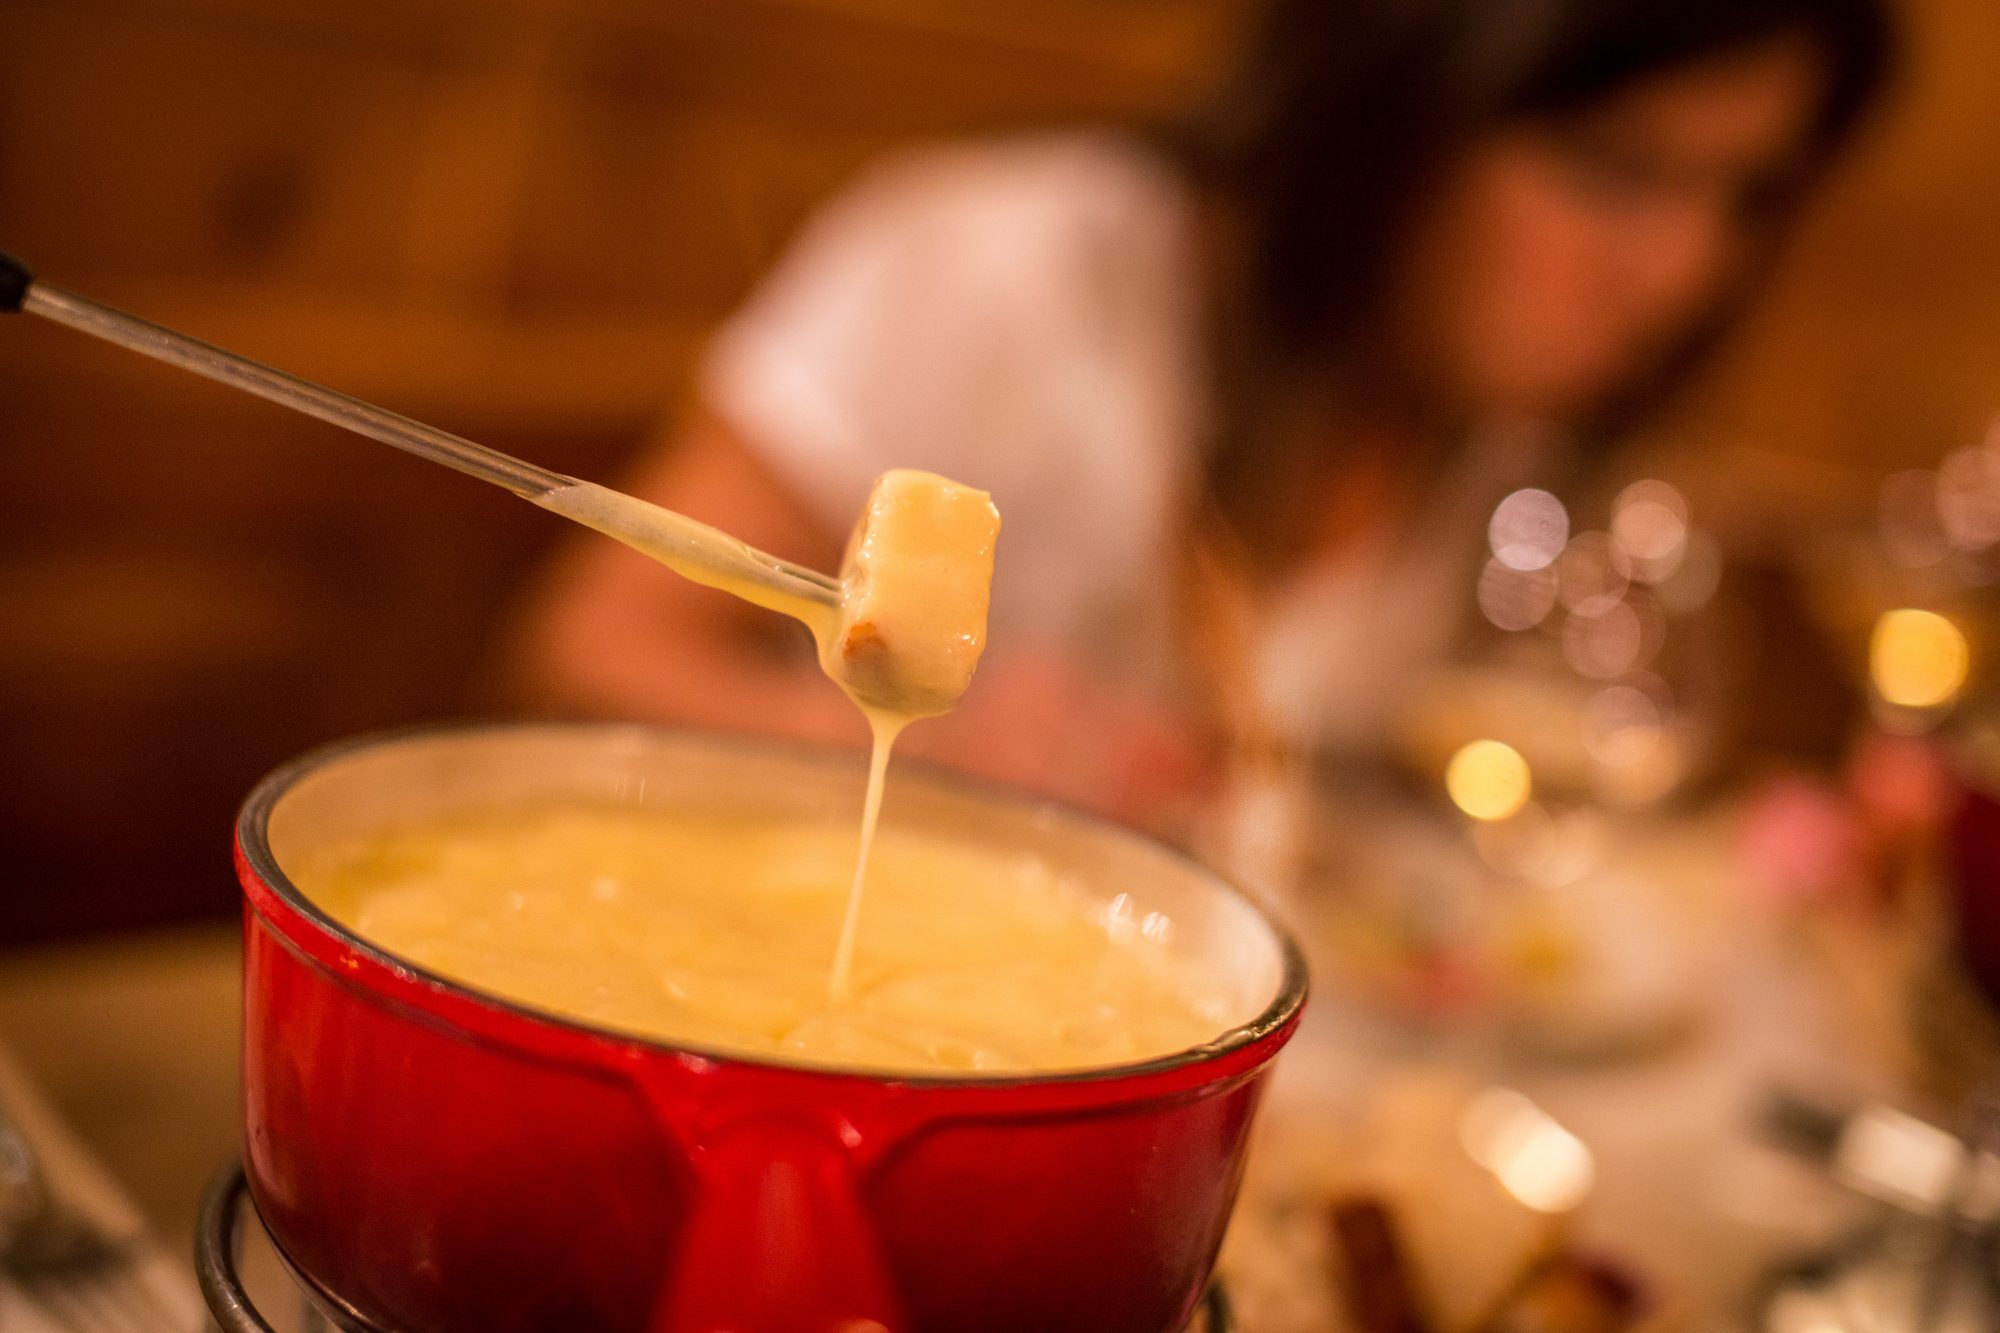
x=777 y=1238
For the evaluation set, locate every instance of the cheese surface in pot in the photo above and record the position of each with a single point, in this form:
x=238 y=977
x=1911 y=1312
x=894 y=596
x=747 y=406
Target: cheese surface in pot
x=713 y=932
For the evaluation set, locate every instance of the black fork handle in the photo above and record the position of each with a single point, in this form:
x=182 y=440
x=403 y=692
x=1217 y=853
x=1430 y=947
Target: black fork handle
x=15 y=279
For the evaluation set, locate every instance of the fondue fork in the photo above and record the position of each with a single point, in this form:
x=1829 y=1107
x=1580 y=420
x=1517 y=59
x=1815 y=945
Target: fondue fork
x=728 y=562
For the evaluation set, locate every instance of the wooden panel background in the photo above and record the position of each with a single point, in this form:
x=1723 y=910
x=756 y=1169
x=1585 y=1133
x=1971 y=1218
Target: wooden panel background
x=516 y=218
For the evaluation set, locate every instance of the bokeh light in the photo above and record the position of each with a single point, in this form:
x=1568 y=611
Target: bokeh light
x=1591 y=574
x=1968 y=498
x=1605 y=606
x=1532 y=1156
x=1622 y=726
x=1528 y=530
x=1488 y=780
x=1917 y=659
x=1542 y=846
x=1516 y=599
x=1605 y=642
x=1649 y=523
x=1639 y=756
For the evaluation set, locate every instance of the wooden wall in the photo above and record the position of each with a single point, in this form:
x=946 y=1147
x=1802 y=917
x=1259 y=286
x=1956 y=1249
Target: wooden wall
x=517 y=218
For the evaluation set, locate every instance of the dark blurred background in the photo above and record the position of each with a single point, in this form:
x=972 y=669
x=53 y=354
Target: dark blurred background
x=517 y=220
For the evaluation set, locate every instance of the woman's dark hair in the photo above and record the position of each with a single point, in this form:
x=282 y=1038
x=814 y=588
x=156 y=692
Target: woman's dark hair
x=1348 y=112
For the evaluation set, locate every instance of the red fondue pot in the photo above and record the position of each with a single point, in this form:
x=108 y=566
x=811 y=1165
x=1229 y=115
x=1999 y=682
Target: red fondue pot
x=441 y=1159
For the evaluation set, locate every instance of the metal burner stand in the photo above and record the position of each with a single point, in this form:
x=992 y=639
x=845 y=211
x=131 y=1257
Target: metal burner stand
x=218 y=1234
x=217 y=1239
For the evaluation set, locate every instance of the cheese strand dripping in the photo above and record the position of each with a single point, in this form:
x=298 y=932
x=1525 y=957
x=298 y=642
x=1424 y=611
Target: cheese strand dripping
x=914 y=589
x=907 y=630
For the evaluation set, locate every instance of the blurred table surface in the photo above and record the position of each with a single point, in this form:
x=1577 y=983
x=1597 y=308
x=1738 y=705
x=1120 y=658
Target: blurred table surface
x=134 y=1041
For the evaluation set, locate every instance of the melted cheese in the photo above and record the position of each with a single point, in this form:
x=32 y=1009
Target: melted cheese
x=714 y=933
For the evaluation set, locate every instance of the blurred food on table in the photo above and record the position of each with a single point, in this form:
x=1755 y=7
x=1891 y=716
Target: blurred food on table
x=1444 y=1208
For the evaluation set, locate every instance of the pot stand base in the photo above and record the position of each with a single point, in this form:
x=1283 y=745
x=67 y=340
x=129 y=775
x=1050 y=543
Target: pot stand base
x=227 y=1209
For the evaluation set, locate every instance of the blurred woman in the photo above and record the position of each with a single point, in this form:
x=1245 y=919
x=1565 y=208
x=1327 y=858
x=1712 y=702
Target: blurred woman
x=1244 y=389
